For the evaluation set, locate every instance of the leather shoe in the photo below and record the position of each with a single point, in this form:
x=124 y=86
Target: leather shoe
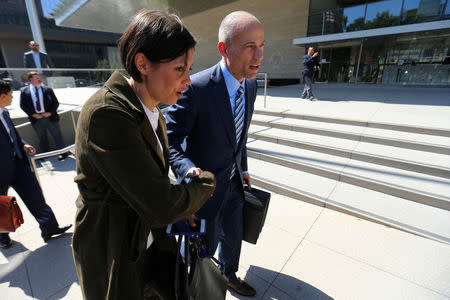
x=59 y=230
x=6 y=245
x=242 y=288
x=63 y=156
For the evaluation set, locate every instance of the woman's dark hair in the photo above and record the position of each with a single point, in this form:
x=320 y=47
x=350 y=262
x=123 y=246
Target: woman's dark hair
x=160 y=36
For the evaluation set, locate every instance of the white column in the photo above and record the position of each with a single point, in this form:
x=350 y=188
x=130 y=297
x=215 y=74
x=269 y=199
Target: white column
x=34 y=24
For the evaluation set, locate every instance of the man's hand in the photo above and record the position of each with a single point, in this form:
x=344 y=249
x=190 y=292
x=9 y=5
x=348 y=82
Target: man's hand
x=47 y=114
x=29 y=149
x=37 y=116
x=246 y=179
x=194 y=172
x=315 y=54
x=191 y=220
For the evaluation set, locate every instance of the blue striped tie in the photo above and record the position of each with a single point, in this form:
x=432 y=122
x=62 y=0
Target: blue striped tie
x=238 y=119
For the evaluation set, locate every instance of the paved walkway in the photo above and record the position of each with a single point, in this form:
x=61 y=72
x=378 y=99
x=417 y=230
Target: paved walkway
x=304 y=251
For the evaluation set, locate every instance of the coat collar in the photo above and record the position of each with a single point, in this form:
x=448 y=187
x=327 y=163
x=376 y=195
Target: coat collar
x=120 y=87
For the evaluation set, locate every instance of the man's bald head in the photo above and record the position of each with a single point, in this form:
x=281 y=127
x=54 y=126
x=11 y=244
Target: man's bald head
x=234 y=23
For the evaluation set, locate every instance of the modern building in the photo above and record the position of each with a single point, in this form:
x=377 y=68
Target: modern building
x=67 y=47
x=370 y=41
x=389 y=41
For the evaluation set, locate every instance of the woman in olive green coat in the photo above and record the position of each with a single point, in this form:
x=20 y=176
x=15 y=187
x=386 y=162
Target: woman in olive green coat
x=126 y=198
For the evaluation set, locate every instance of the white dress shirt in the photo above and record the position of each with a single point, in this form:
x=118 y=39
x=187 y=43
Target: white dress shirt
x=153 y=117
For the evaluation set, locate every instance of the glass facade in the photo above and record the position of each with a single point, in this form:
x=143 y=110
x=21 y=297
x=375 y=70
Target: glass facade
x=389 y=60
x=328 y=17
x=416 y=58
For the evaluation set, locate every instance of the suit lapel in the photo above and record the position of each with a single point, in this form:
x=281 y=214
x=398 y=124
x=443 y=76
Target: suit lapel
x=222 y=104
x=3 y=129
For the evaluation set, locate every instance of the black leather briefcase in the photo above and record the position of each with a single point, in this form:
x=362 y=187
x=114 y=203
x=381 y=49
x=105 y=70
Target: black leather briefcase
x=256 y=203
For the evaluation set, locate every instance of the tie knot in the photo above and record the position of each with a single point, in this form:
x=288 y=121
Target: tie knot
x=241 y=89
x=5 y=113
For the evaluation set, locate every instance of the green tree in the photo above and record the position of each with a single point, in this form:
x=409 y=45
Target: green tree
x=384 y=19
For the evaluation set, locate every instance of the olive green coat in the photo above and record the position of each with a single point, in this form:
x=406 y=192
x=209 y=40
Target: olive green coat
x=125 y=192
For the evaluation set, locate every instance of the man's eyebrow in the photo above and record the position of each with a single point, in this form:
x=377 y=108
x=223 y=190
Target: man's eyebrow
x=253 y=42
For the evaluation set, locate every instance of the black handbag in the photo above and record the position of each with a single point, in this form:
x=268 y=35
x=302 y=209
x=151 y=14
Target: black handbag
x=202 y=277
x=171 y=278
x=256 y=204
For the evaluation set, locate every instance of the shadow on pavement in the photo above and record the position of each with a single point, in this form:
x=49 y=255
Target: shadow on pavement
x=40 y=273
x=298 y=289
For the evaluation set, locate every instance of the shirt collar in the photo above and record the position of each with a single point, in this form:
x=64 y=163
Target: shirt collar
x=33 y=88
x=230 y=81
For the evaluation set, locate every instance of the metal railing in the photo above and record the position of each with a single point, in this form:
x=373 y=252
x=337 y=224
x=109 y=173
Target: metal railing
x=70 y=148
x=265 y=87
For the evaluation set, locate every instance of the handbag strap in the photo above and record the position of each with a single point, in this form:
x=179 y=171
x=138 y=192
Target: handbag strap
x=177 y=270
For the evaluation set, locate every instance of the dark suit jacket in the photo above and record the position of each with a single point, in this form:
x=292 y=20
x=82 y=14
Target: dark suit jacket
x=125 y=192
x=309 y=65
x=203 y=119
x=50 y=103
x=7 y=155
x=28 y=60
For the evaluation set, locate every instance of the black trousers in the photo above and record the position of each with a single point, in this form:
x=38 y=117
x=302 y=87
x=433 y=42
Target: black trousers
x=41 y=127
x=24 y=182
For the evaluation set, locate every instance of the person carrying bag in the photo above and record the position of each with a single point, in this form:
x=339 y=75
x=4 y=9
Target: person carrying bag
x=10 y=214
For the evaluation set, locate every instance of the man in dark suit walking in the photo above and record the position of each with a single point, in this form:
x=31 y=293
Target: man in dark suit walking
x=15 y=172
x=35 y=58
x=207 y=129
x=310 y=65
x=40 y=104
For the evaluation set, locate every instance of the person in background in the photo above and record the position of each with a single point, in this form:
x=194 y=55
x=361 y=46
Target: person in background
x=40 y=104
x=310 y=65
x=208 y=128
x=126 y=196
x=15 y=172
x=35 y=58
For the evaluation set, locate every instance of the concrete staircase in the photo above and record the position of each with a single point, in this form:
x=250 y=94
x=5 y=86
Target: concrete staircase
x=397 y=175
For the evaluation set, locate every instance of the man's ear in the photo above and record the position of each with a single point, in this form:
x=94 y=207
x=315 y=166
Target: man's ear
x=142 y=63
x=222 y=49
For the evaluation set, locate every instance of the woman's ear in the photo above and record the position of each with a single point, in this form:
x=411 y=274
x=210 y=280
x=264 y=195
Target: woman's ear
x=142 y=63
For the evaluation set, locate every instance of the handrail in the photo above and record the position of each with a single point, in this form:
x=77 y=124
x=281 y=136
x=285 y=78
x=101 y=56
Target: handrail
x=265 y=87
x=33 y=158
x=59 y=113
x=59 y=69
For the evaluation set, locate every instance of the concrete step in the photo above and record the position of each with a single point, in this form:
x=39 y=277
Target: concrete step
x=434 y=164
x=381 y=125
x=409 y=216
x=421 y=188
x=416 y=141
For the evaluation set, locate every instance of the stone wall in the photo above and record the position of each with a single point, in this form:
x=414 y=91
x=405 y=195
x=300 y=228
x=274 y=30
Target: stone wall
x=282 y=20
